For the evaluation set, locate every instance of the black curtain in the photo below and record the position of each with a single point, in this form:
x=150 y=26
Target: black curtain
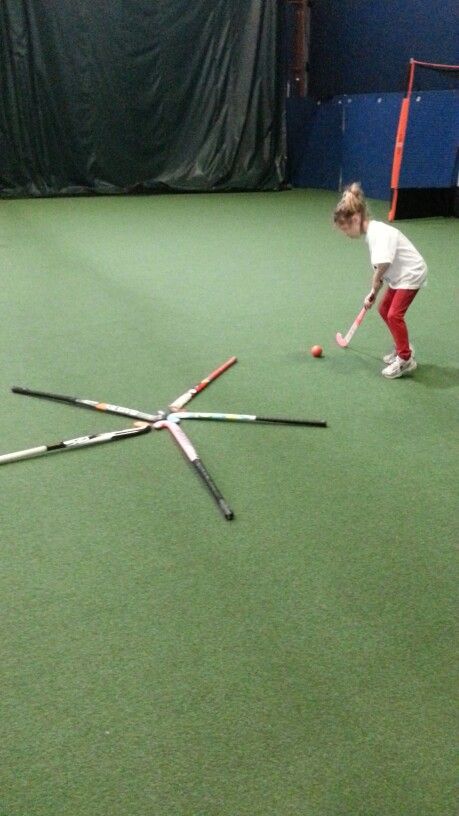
x=114 y=96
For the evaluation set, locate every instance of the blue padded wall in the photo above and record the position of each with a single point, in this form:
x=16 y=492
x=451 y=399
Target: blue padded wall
x=315 y=143
x=299 y=115
x=351 y=138
x=431 y=144
x=364 y=47
x=368 y=141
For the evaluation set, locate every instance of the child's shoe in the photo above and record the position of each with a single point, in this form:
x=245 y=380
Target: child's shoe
x=389 y=358
x=399 y=367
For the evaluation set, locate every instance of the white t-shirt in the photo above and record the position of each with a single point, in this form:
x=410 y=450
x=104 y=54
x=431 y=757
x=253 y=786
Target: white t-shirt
x=408 y=269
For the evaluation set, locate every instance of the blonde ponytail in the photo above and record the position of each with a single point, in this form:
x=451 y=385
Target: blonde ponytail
x=352 y=201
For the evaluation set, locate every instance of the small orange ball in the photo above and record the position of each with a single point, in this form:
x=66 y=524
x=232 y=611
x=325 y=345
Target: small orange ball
x=317 y=351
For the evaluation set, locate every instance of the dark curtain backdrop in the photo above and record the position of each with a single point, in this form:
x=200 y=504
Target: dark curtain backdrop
x=124 y=95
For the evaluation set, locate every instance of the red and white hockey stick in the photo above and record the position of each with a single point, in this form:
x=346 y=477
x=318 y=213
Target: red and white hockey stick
x=344 y=341
x=188 y=395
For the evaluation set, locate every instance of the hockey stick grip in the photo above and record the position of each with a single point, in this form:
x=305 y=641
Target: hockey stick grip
x=183 y=399
x=24 y=454
x=213 y=489
x=187 y=447
x=220 y=417
x=313 y=423
x=106 y=407
x=46 y=394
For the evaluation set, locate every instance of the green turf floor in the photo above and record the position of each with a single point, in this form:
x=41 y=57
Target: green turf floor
x=157 y=660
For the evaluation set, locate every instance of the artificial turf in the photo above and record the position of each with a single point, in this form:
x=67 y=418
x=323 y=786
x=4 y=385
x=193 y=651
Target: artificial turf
x=156 y=659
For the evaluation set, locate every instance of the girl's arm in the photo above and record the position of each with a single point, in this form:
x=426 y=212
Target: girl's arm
x=376 y=283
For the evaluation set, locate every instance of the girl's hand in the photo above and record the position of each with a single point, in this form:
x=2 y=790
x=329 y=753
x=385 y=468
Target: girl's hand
x=369 y=300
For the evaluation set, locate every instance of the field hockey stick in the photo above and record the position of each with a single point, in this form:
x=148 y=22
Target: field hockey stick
x=96 y=406
x=188 y=395
x=189 y=451
x=79 y=442
x=344 y=341
x=178 y=415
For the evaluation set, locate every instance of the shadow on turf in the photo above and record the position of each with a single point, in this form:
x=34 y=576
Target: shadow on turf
x=432 y=376
x=429 y=375
x=435 y=376
x=334 y=354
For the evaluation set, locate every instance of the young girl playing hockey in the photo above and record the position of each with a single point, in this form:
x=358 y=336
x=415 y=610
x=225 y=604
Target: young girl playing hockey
x=396 y=262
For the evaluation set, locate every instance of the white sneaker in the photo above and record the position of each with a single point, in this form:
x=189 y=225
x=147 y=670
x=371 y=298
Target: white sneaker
x=389 y=358
x=399 y=368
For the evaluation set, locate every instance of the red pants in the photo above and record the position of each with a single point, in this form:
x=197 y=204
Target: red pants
x=392 y=310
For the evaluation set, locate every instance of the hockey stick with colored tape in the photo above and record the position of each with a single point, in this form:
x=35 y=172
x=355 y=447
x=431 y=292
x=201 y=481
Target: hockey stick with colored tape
x=78 y=442
x=179 y=415
x=344 y=341
x=188 y=395
x=96 y=406
x=189 y=451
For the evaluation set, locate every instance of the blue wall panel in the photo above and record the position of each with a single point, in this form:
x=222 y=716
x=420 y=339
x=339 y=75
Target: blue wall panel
x=364 y=47
x=368 y=141
x=299 y=114
x=432 y=139
x=351 y=138
x=317 y=148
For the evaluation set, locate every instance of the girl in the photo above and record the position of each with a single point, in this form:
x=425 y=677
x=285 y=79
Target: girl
x=397 y=262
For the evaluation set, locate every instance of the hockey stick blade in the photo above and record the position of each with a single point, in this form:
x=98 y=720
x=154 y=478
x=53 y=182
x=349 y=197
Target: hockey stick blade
x=344 y=341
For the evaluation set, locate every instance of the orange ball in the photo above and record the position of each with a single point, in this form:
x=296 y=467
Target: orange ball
x=317 y=351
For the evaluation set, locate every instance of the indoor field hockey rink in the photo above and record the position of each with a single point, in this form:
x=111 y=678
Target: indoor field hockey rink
x=158 y=660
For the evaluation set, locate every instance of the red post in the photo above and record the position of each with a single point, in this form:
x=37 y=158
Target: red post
x=297 y=66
